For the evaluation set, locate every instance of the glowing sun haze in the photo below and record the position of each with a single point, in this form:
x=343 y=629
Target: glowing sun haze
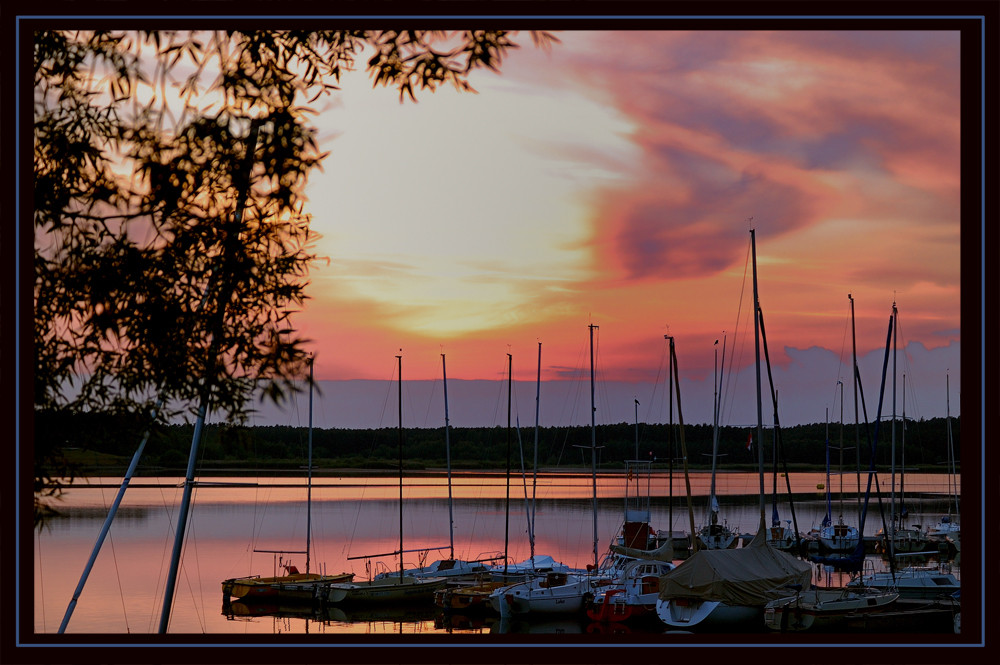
x=612 y=180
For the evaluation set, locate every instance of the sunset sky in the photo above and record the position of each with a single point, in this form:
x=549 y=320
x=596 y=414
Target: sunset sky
x=612 y=180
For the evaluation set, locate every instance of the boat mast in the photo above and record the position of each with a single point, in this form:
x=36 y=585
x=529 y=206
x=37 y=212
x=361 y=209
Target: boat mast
x=593 y=438
x=506 y=526
x=892 y=464
x=312 y=360
x=447 y=453
x=670 y=438
x=840 y=468
x=902 y=461
x=684 y=456
x=952 y=480
x=713 y=510
x=760 y=416
x=857 y=425
x=399 y=360
x=636 y=399
x=534 y=477
x=111 y=516
x=230 y=238
x=829 y=509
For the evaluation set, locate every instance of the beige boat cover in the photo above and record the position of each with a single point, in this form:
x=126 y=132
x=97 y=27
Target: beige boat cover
x=751 y=575
x=664 y=552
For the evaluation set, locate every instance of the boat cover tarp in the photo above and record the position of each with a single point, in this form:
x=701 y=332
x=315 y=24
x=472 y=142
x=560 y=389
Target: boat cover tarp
x=664 y=552
x=751 y=575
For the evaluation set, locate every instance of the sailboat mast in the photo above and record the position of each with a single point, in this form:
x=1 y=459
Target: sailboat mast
x=840 y=468
x=713 y=514
x=952 y=481
x=684 y=456
x=400 y=363
x=892 y=448
x=231 y=237
x=534 y=477
x=506 y=525
x=111 y=516
x=312 y=361
x=636 y=428
x=593 y=438
x=760 y=415
x=447 y=453
x=670 y=437
x=829 y=508
x=902 y=459
x=857 y=425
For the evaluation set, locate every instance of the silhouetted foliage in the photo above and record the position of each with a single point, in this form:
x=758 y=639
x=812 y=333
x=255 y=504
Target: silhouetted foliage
x=172 y=243
x=236 y=448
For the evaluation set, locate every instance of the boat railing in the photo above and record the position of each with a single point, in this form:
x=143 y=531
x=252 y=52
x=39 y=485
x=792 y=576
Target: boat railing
x=380 y=567
x=867 y=569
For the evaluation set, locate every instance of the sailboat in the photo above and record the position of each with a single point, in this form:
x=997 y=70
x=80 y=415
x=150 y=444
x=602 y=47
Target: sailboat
x=680 y=541
x=914 y=582
x=634 y=592
x=948 y=528
x=715 y=536
x=451 y=568
x=824 y=609
x=557 y=592
x=839 y=536
x=293 y=585
x=731 y=586
x=631 y=573
x=873 y=583
x=396 y=588
x=478 y=596
x=900 y=538
x=782 y=537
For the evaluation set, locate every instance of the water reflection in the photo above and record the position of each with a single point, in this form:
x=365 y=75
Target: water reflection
x=357 y=516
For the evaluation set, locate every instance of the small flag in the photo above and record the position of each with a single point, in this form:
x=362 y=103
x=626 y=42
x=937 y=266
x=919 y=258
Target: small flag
x=749 y=440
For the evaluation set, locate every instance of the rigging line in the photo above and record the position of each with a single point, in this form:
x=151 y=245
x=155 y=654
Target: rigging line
x=573 y=400
x=524 y=482
x=114 y=559
x=502 y=374
x=732 y=377
x=843 y=344
x=346 y=549
x=599 y=374
x=197 y=600
x=256 y=501
x=192 y=542
x=303 y=441
x=167 y=535
x=648 y=416
x=908 y=370
x=430 y=401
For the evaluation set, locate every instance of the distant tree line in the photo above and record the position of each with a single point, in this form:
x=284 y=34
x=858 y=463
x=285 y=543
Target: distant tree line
x=113 y=438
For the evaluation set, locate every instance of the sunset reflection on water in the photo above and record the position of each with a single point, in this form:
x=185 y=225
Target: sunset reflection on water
x=356 y=516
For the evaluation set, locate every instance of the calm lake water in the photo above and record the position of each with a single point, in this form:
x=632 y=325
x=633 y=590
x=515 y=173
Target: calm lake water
x=357 y=516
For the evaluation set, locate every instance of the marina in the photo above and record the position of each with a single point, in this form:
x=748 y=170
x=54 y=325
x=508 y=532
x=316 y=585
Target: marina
x=357 y=514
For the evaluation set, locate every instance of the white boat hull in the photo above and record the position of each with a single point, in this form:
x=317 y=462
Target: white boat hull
x=839 y=537
x=542 y=597
x=690 y=612
x=823 y=609
x=919 y=583
x=717 y=537
x=406 y=589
